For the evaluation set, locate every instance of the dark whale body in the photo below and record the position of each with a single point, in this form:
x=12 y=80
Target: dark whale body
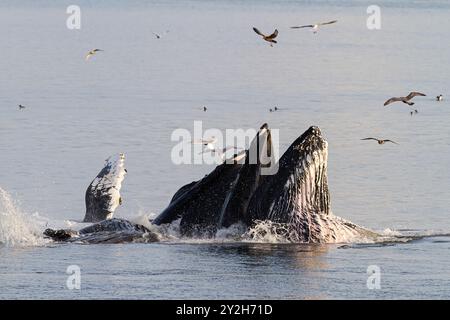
x=221 y=198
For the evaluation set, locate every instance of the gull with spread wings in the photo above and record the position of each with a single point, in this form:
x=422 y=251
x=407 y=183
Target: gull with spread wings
x=405 y=99
x=221 y=153
x=380 y=141
x=269 y=38
x=314 y=27
x=91 y=53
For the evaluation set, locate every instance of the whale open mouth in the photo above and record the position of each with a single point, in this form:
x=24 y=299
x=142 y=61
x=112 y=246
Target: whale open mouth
x=221 y=197
x=294 y=198
x=299 y=190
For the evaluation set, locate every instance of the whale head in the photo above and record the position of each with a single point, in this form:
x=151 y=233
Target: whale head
x=299 y=190
x=221 y=197
x=103 y=194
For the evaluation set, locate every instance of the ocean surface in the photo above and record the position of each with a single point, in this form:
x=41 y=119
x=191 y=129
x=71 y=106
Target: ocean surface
x=131 y=97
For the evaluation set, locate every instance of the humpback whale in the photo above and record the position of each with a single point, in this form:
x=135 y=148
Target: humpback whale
x=292 y=194
x=220 y=199
x=102 y=199
x=295 y=197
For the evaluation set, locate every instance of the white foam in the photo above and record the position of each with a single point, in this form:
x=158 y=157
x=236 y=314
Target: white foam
x=16 y=227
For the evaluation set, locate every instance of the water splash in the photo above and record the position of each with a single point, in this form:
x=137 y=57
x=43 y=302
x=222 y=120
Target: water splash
x=17 y=228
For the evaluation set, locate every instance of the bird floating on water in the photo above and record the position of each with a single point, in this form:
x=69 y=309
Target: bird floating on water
x=160 y=35
x=205 y=109
x=405 y=99
x=314 y=27
x=413 y=112
x=21 y=107
x=274 y=109
x=269 y=38
x=91 y=53
x=440 y=97
x=380 y=141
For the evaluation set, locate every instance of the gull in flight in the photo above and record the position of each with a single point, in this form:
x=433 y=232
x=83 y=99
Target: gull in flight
x=314 y=27
x=220 y=152
x=380 y=141
x=413 y=112
x=269 y=38
x=208 y=143
x=91 y=53
x=209 y=146
x=405 y=99
x=440 y=97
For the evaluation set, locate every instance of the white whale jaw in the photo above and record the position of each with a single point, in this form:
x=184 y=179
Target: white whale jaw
x=103 y=194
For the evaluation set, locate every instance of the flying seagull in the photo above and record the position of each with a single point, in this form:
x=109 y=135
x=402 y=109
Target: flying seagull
x=315 y=27
x=208 y=143
x=414 y=112
x=269 y=38
x=380 y=141
x=440 y=97
x=21 y=107
x=220 y=152
x=157 y=35
x=405 y=99
x=91 y=53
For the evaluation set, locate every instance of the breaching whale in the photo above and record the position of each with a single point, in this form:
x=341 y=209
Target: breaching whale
x=292 y=194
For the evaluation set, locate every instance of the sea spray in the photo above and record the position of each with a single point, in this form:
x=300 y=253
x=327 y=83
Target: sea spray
x=16 y=228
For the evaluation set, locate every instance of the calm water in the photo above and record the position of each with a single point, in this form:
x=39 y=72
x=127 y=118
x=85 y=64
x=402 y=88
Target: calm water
x=132 y=96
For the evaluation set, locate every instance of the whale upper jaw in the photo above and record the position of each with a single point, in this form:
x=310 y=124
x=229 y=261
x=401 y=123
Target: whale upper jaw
x=103 y=194
x=304 y=171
